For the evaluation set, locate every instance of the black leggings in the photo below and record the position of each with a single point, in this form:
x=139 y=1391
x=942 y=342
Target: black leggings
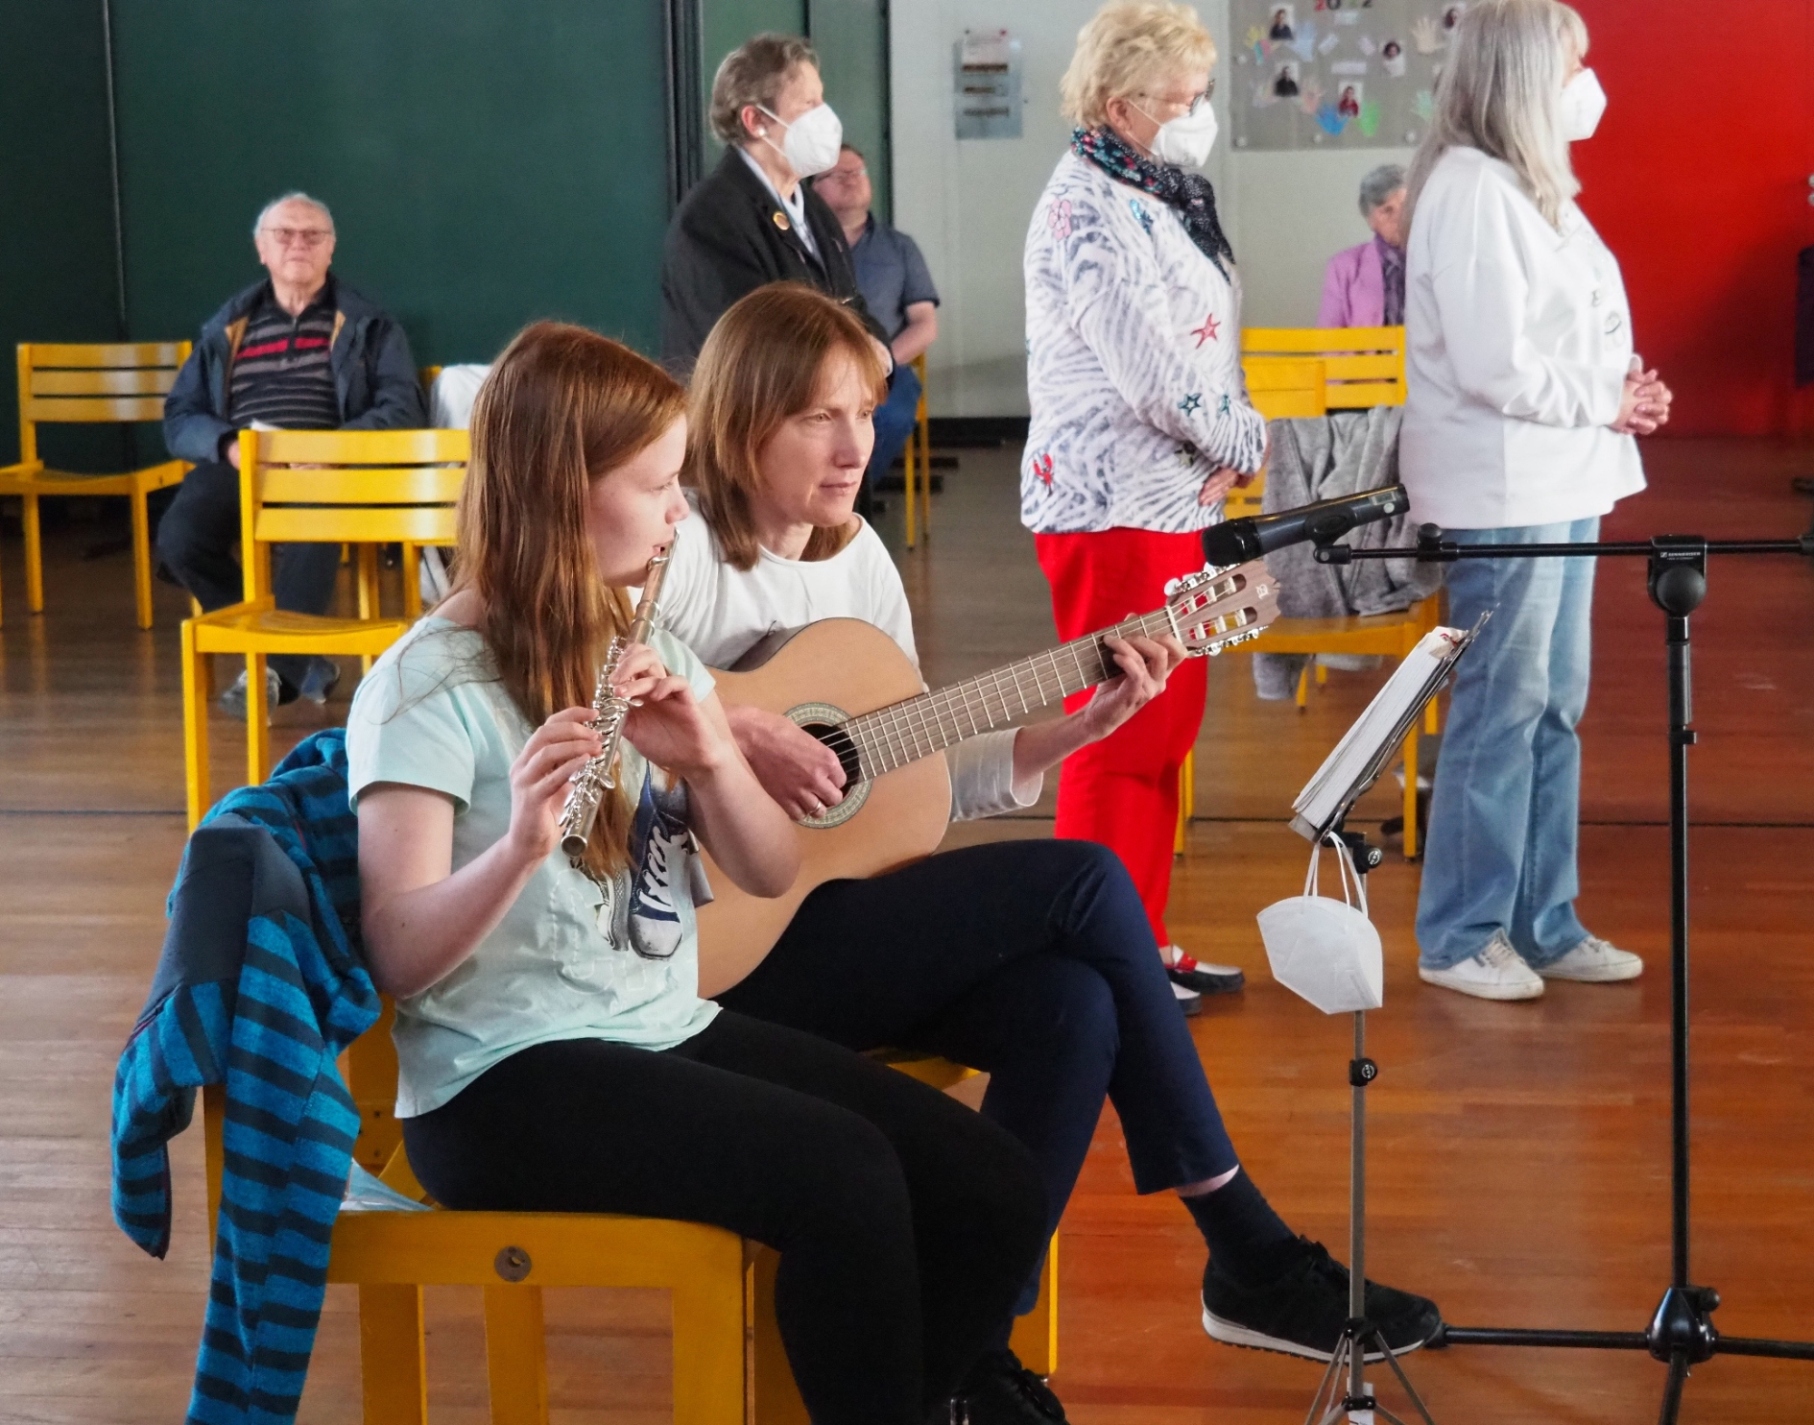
x=905 y=1222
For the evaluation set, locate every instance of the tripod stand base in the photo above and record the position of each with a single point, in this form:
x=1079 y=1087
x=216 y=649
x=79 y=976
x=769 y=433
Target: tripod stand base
x=1344 y=1397
x=1681 y=1335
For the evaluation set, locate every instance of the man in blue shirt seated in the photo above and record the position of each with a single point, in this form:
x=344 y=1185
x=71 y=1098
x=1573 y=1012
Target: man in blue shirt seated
x=898 y=290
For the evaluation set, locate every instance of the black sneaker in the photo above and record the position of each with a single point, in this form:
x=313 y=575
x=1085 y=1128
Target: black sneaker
x=1302 y=1311
x=1001 y=1391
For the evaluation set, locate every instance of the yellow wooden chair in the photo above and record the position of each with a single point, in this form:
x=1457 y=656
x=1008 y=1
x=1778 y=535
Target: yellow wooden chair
x=113 y=383
x=729 y=1365
x=1360 y=367
x=361 y=487
x=918 y=461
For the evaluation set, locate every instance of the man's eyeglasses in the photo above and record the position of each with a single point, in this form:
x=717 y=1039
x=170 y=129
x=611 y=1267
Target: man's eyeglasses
x=293 y=237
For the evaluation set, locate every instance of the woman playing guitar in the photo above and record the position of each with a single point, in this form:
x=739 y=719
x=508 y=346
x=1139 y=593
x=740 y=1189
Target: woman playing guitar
x=1032 y=960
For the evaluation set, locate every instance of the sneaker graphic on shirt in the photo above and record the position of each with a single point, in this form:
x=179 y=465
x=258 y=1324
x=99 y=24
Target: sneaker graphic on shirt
x=658 y=848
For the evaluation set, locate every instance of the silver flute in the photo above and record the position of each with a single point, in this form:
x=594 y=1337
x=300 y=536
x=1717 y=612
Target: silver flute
x=599 y=775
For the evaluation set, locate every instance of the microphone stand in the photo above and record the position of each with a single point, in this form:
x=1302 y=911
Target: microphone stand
x=1681 y=1333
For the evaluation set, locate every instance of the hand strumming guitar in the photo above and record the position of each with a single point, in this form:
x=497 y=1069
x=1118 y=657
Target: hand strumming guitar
x=795 y=768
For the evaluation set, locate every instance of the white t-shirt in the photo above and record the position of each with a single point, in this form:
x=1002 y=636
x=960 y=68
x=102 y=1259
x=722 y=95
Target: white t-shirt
x=571 y=958
x=1518 y=340
x=721 y=612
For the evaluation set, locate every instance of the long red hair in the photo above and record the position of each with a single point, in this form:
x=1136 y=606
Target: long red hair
x=561 y=408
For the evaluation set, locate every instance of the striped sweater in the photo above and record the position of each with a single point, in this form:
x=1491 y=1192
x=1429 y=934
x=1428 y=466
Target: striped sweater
x=1133 y=363
x=259 y=988
x=282 y=372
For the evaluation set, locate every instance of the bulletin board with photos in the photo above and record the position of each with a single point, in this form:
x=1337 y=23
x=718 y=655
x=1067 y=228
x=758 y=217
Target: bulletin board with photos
x=1336 y=73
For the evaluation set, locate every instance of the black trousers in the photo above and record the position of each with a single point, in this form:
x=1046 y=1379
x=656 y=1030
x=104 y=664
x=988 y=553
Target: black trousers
x=1031 y=959
x=195 y=542
x=905 y=1222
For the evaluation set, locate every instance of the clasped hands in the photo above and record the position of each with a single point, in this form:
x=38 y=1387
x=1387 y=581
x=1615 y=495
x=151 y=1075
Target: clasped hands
x=1644 y=404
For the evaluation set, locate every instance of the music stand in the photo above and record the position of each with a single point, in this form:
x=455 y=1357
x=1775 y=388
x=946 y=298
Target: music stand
x=1344 y=1391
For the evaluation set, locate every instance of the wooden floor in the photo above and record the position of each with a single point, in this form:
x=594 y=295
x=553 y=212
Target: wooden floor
x=1519 y=1152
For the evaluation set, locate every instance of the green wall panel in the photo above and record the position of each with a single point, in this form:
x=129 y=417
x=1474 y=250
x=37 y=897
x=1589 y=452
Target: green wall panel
x=852 y=39
x=487 y=164
x=56 y=207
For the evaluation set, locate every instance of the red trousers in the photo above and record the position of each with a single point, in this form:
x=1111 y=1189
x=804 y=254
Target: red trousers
x=1123 y=791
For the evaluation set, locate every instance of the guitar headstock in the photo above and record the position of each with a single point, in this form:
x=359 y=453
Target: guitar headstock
x=1217 y=609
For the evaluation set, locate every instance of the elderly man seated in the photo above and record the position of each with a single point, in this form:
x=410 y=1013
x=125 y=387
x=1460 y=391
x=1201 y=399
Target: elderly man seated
x=298 y=351
x=898 y=290
x=1365 y=285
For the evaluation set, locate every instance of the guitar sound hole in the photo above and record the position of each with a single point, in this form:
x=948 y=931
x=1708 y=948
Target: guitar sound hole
x=840 y=742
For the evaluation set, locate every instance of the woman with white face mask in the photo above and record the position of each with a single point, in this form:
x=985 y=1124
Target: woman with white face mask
x=1140 y=418
x=1524 y=398
x=753 y=220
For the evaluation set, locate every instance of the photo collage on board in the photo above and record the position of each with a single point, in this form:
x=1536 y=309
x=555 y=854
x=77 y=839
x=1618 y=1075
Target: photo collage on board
x=1336 y=73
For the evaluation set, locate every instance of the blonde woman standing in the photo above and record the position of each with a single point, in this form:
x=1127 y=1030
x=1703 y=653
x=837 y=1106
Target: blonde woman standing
x=1140 y=417
x=1524 y=398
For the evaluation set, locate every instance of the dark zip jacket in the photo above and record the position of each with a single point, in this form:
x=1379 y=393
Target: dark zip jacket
x=375 y=378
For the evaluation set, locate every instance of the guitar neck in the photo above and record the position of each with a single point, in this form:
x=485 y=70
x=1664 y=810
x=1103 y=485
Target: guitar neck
x=904 y=732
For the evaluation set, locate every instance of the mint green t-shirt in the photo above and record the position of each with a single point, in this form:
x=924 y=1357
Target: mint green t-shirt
x=571 y=959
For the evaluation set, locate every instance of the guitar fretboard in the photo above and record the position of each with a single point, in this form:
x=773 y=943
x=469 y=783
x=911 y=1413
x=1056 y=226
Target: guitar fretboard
x=904 y=732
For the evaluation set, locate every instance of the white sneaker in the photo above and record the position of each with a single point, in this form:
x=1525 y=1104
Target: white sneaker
x=1595 y=962
x=1189 y=1000
x=1497 y=972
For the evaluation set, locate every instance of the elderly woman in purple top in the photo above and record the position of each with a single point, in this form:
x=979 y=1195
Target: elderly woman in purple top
x=1365 y=285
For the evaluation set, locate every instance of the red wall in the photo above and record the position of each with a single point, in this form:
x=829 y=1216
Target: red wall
x=1698 y=179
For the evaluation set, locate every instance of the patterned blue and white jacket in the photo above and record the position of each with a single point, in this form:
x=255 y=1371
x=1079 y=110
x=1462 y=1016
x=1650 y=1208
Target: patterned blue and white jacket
x=1133 y=363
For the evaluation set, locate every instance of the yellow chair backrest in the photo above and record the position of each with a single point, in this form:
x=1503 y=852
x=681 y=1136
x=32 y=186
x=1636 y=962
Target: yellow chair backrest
x=1364 y=366
x=1281 y=389
x=346 y=487
x=122 y=381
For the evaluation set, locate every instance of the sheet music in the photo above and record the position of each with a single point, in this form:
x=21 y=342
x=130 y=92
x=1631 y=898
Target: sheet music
x=1368 y=745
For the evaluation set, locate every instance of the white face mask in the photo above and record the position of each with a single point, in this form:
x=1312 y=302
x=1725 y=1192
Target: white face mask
x=1583 y=102
x=812 y=141
x=1187 y=140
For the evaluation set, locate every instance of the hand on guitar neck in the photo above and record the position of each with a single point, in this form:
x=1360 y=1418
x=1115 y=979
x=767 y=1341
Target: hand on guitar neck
x=1145 y=663
x=805 y=777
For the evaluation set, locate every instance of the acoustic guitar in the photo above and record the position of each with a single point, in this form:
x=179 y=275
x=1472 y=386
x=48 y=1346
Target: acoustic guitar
x=867 y=704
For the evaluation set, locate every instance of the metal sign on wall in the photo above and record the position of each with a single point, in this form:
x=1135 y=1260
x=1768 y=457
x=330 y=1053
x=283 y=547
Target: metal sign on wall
x=1336 y=73
x=988 y=85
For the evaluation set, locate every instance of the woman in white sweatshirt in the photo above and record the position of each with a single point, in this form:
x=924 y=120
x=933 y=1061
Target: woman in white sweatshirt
x=1523 y=401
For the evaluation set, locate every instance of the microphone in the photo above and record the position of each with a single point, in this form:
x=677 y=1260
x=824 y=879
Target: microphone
x=1237 y=541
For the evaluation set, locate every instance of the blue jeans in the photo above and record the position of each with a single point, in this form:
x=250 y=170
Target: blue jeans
x=1505 y=810
x=1032 y=960
x=894 y=421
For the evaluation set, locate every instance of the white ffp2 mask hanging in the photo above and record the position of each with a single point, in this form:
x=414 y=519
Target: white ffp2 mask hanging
x=812 y=140
x=1583 y=104
x=1324 y=950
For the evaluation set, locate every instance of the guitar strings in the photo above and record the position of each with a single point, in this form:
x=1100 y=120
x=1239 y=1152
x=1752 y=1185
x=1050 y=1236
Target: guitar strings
x=903 y=732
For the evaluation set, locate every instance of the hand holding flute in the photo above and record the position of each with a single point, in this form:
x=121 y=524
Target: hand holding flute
x=610 y=709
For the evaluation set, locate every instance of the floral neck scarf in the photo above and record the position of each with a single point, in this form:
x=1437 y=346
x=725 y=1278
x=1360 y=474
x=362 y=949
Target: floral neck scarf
x=1187 y=194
